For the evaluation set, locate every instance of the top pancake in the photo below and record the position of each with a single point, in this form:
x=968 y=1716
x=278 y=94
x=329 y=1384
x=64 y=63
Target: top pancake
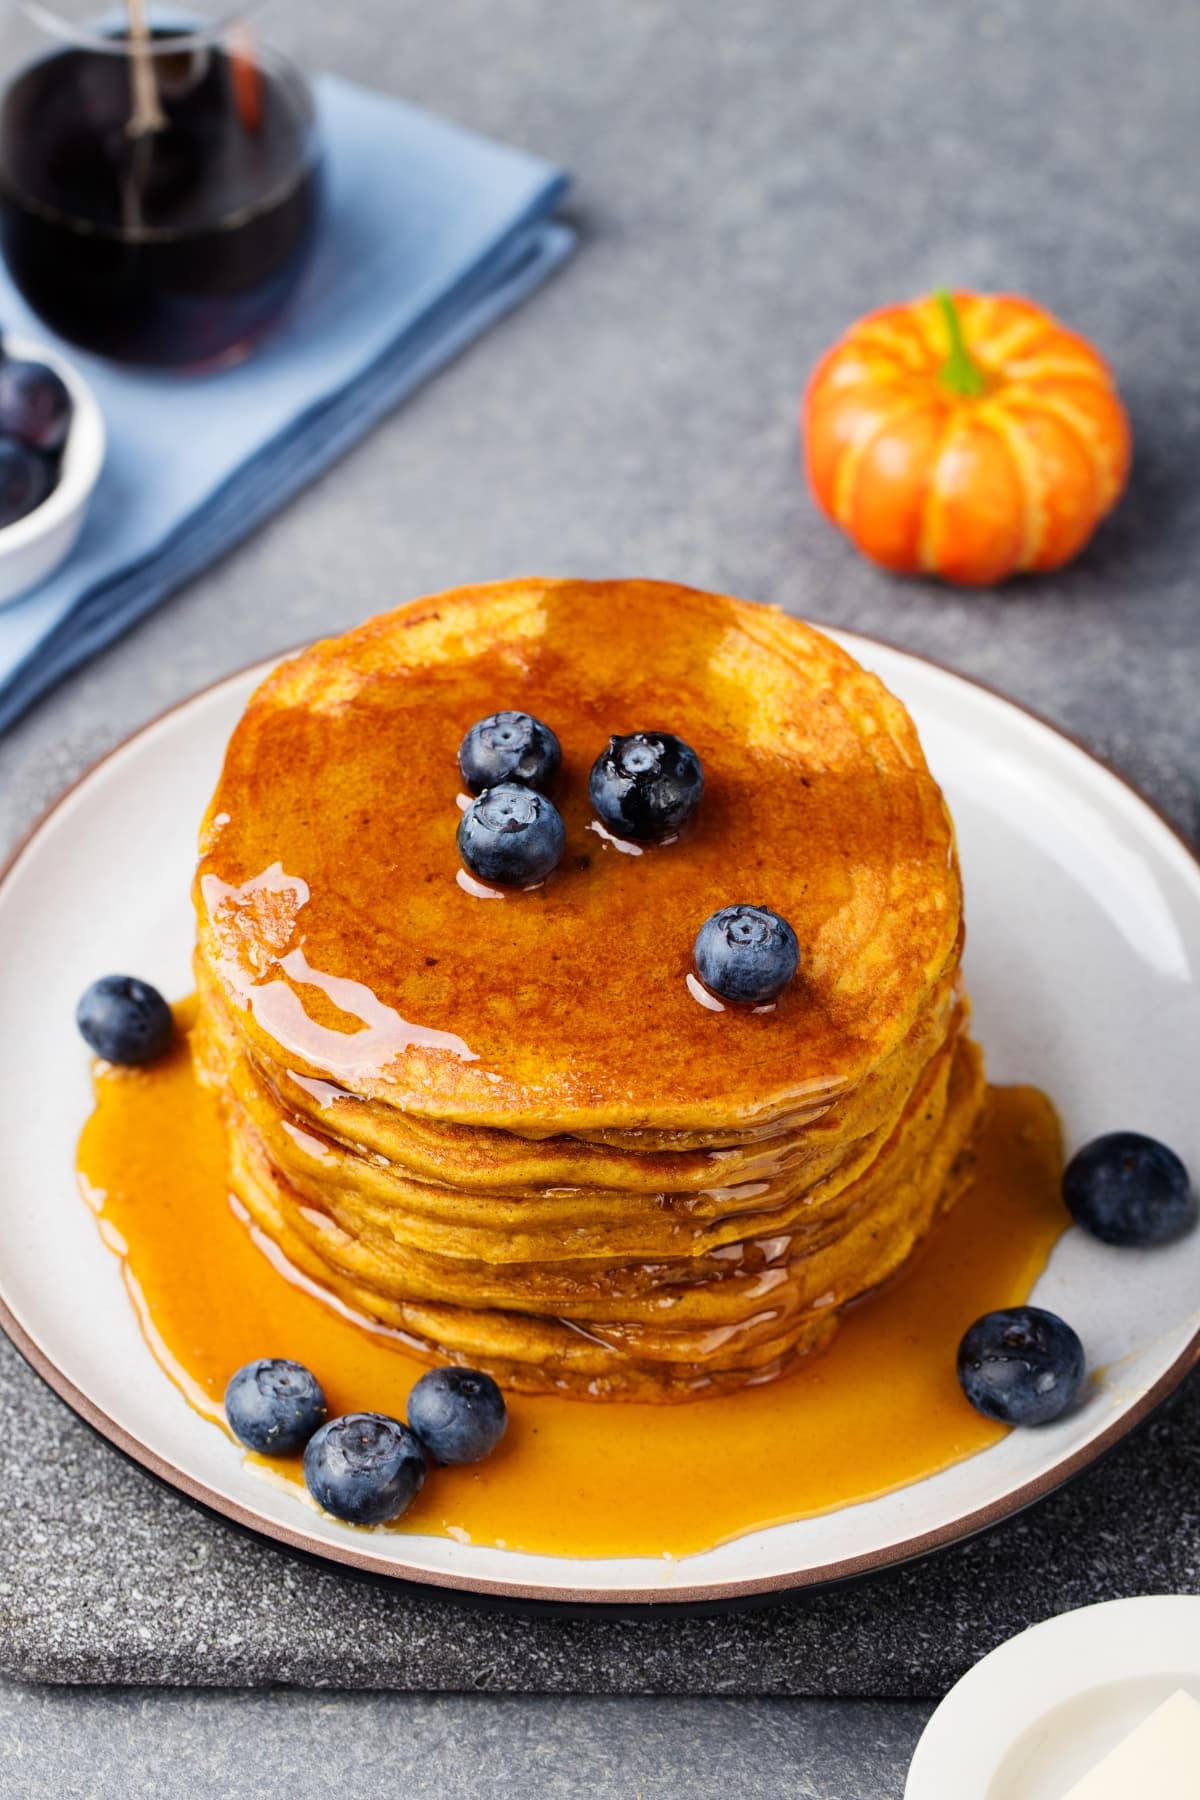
x=331 y=912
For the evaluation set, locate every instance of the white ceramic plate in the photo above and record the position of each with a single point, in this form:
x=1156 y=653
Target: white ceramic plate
x=1040 y=1712
x=1084 y=944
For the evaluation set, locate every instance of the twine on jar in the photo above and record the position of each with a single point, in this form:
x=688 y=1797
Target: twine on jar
x=147 y=114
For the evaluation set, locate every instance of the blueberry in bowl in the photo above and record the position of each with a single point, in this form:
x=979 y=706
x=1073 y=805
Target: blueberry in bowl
x=645 y=786
x=747 y=954
x=1021 y=1365
x=365 y=1468
x=51 y=453
x=511 y=835
x=1129 y=1190
x=124 y=1020
x=35 y=405
x=458 y=1414
x=509 y=747
x=274 y=1406
x=25 y=480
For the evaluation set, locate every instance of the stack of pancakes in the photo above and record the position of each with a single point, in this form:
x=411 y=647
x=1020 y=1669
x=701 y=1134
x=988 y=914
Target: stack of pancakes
x=510 y=1126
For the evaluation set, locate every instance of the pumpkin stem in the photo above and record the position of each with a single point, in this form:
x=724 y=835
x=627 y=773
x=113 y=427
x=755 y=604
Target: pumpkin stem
x=960 y=372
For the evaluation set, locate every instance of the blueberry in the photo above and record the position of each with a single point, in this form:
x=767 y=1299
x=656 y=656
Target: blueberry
x=512 y=835
x=746 y=953
x=25 y=480
x=1023 y=1366
x=646 y=785
x=125 y=1020
x=34 y=406
x=458 y=1414
x=274 y=1406
x=364 y=1467
x=1129 y=1190
x=509 y=747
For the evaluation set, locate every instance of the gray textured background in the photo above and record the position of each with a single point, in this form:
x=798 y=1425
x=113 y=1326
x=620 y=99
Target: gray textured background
x=750 y=177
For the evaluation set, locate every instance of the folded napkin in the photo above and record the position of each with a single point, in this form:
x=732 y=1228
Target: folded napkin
x=430 y=233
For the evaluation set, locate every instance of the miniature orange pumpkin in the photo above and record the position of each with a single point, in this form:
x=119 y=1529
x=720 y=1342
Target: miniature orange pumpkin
x=969 y=437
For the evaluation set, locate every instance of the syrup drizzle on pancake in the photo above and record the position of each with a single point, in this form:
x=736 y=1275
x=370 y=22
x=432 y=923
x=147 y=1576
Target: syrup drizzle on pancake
x=329 y=853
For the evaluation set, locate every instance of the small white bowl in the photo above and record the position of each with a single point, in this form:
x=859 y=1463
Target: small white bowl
x=1043 y=1709
x=33 y=547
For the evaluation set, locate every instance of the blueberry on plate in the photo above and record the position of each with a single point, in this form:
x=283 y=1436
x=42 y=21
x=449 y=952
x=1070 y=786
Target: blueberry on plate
x=1130 y=1190
x=274 y=1405
x=364 y=1467
x=458 y=1414
x=1022 y=1366
x=124 y=1020
x=509 y=747
x=34 y=406
x=746 y=953
x=512 y=835
x=25 y=480
x=646 y=785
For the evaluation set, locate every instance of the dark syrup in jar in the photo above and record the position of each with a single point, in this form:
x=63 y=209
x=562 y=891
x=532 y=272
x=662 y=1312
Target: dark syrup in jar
x=171 y=247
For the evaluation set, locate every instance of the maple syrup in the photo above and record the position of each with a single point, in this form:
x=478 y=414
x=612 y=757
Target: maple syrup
x=878 y=1410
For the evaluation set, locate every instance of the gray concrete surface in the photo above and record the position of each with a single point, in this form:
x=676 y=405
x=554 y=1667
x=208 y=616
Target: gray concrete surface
x=750 y=177
x=120 y=1745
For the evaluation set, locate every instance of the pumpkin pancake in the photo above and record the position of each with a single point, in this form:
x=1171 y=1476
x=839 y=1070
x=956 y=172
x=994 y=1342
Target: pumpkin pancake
x=555 y=1224
x=331 y=913
x=504 y=1125
x=480 y=1159
x=760 y=1302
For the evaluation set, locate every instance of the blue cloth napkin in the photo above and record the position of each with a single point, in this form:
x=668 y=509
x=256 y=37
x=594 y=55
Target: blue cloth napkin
x=430 y=234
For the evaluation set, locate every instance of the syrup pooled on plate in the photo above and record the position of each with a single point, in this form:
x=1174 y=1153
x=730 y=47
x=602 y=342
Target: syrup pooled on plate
x=878 y=1410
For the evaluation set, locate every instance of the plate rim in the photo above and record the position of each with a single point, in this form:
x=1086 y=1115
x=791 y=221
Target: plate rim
x=362 y=1558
